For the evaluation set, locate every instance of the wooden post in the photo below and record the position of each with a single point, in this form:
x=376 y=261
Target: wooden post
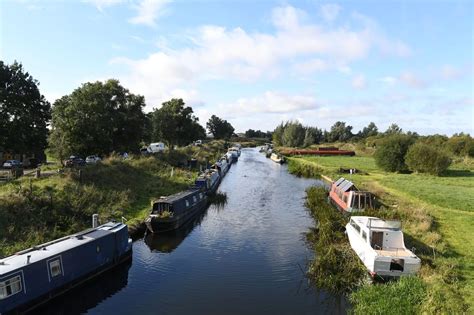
x=38 y=172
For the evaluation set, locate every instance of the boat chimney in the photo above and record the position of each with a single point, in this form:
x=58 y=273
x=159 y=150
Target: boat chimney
x=28 y=259
x=95 y=220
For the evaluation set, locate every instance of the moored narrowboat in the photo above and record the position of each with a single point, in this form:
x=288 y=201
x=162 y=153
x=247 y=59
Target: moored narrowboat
x=277 y=158
x=171 y=212
x=347 y=198
x=33 y=276
x=380 y=246
x=234 y=154
x=208 y=181
x=222 y=166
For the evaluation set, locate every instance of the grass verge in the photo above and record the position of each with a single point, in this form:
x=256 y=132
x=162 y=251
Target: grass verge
x=437 y=217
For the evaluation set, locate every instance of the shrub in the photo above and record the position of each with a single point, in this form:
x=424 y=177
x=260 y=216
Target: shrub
x=402 y=297
x=391 y=151
x=424 y=158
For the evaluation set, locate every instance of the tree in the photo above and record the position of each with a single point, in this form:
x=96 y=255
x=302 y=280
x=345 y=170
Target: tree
x=97 y=118
x=256 y=134
x=312 y=136
x=340 y=132
x=391 y=151
x=293 y=135
x=219 y=128
x=393 y=129
x=369 y=131
x=278 y=134
x=424 y=158
x=175 y=124
x=24 y=112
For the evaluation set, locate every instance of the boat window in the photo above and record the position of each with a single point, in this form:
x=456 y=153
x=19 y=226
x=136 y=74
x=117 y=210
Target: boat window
x=201 y=195
x=364 y=235
x=55 y=268
x=187 y=203
x=10 y=287
x=194 y=199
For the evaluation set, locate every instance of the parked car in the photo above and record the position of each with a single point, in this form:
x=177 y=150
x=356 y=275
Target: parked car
x=198 y=142
x=74 y=161
x=12 y=164
x=92 y=159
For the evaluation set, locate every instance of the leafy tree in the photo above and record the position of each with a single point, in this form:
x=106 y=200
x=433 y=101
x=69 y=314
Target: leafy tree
x=24 y=112
x=175 y=124
x=97 y=118
x=340 y=132
x=219 y=128
x=393 y=129
x=461 y=144
x=391 y=151
x=278 y=134
x=312 y=136
x=256 y=134
x=293 y=135
x=425 y=158
x=369 y=131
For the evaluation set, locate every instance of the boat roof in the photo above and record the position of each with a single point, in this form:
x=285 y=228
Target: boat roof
x=377 y=223
x=56 y=247
x=175 y=197
x=343 y=184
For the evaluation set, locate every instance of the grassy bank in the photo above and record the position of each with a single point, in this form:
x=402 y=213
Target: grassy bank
x=437 y=216
x=33 y=211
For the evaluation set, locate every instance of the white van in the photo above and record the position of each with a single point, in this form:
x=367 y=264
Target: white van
x=156 y=147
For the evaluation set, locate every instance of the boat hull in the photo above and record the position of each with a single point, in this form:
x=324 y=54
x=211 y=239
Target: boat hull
x=158 y=225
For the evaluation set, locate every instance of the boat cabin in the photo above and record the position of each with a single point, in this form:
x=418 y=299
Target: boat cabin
x=347 y=198
x=380 y=245
x=177 y=203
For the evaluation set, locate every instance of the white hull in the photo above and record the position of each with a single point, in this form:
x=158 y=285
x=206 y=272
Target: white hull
x=385 y=261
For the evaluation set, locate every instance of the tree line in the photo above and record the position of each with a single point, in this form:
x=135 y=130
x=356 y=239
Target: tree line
x=96 y=118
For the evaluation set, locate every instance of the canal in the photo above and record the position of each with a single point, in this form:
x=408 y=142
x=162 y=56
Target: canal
x=246 y=257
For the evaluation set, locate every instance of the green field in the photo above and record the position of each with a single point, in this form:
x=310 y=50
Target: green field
x=437 y=211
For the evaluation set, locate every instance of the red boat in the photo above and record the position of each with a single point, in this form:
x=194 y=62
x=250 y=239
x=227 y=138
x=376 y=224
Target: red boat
x=320 y=151
x=347 y=198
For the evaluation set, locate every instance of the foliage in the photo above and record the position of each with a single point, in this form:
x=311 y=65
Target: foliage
x=175 y=124
x=424 y=158
x=393 y=129
x=402 y=297
x=340 y=132
x=390 y=153
x=312 y=136
x=303 y=169
x=24 y=112
x=293 y=135
x=97 y=118
x=258 y=134
x=461 y=144
x=336 y=267
x=219 y=128
x=369 y=131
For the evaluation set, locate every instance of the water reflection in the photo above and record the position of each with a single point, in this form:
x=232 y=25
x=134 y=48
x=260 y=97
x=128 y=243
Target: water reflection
x=169 y=241
x=89 y=294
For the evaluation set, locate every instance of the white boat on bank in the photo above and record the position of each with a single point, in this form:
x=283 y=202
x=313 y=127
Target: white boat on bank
x=277 y=158
x=380 y=245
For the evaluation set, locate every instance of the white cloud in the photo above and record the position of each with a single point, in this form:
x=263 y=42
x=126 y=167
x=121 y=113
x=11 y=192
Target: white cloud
x=217 y=53
x=359 y=82
x=410 y=79
x=270 y=102
x=389 y=80
x=329 y=12
x=101 y=4
x=148 y=11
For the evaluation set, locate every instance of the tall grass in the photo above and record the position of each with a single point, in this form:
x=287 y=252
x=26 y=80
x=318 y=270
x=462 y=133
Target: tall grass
x=336 y=267
x=302 y=169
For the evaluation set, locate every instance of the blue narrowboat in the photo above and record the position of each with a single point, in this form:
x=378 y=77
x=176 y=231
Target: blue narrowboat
x=222 y=165
x=208 y=181
x=33 y=276
x=171 y=212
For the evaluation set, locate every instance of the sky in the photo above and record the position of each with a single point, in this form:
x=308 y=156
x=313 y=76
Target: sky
x=257 y=63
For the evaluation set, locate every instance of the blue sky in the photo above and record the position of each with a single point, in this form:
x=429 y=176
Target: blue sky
x=256 y=63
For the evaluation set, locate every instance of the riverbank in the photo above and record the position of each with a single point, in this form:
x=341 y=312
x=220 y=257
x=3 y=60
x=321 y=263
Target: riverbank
x=436 y=214
x=33 y=211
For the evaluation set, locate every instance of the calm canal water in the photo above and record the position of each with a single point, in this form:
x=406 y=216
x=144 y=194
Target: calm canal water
x=247 y=257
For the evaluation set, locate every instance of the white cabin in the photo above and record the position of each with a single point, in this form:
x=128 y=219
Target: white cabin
x=380 y=245
x=156 y=147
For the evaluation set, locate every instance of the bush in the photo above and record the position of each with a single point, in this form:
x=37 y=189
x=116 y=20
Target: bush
x=402 y=297
x=424 y=158
x=391 y=151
